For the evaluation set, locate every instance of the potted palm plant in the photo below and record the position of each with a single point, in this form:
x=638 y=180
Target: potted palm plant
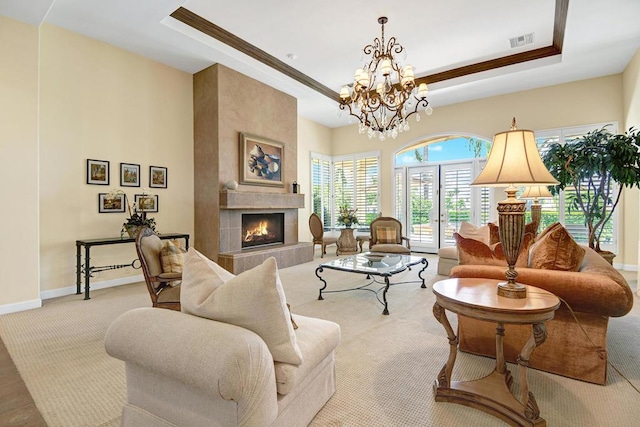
x=590 y=165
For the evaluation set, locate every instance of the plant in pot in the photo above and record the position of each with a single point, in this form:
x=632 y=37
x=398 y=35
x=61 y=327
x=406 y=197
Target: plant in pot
x=347 y=217
x=138 y=219
x=590 y=165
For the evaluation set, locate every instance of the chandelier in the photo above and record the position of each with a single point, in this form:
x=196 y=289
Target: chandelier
x=384 y=94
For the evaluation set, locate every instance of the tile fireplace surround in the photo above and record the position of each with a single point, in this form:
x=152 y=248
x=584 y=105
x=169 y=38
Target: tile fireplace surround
x=233 y=204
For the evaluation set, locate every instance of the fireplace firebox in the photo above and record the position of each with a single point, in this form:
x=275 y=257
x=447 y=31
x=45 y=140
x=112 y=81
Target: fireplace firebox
x=262 y=229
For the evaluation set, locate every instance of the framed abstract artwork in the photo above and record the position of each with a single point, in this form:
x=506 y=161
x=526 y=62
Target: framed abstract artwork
x=261 y=161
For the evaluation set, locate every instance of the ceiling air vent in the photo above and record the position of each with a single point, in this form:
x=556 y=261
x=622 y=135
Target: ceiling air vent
x=521 y=40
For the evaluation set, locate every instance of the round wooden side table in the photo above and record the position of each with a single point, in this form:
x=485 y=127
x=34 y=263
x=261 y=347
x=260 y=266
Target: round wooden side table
x=477 y=298
x=346 y=242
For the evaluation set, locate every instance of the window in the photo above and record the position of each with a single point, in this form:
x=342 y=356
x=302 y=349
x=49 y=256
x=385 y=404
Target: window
x=561 y=207
x=351 y=181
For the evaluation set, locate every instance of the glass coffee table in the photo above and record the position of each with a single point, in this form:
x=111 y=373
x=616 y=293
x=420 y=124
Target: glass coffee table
x=373 y=264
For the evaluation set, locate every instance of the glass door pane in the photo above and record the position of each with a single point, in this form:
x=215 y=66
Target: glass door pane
x=422 y=228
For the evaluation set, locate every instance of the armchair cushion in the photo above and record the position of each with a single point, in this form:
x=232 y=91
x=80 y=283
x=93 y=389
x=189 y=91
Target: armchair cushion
x=555 y=249
x=386 y=235
x=253 y=300
x=172 y=257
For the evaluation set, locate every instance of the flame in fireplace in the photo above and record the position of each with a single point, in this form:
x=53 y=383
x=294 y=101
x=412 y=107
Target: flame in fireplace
x=260 y=230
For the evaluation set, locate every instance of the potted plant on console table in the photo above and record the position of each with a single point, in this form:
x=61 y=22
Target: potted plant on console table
x=138 y=219
x=590 y=165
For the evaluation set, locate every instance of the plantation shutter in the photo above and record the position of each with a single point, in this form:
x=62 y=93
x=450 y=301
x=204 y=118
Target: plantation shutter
x=321 y=187
x=366 y=189
x=343 y=183
x=457 y=196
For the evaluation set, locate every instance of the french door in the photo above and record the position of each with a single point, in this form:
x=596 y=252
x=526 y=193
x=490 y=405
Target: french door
x=436 y=199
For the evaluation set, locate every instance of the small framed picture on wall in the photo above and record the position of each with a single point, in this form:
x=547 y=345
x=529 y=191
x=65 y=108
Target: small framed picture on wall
x=146 y=202
x=129 y=175
x=109 y=203
x=157 y=177
x=97 y=172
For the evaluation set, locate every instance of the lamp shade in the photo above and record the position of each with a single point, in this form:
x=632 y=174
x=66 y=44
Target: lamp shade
x=536 y=192
x=514 y=160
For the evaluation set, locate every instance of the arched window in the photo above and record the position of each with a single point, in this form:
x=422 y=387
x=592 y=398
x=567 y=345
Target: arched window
x=432 y=188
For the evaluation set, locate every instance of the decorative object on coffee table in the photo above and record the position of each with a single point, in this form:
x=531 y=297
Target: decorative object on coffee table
x=536 y=192
x=514 y=160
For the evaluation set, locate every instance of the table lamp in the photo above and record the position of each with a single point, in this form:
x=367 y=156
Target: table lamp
x=536 y=192
x=513 y=161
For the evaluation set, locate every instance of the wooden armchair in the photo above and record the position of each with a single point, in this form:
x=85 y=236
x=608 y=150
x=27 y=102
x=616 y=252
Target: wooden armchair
x=163 y=295
x=317 y=230
x=386 y=236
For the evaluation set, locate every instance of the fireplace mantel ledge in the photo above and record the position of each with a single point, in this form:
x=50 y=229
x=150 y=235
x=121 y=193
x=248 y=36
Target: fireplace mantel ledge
x=230 y=199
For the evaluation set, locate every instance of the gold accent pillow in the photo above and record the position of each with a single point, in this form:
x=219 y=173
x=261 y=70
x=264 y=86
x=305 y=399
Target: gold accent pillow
x=172 y=257
x=386 y=235
x=555 y=249
x=472 y=251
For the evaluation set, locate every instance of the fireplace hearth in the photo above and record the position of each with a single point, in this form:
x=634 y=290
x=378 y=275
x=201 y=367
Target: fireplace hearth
x=262 y=229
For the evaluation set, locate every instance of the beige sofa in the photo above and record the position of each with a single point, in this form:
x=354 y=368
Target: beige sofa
x=596 y=292
x=184 y=370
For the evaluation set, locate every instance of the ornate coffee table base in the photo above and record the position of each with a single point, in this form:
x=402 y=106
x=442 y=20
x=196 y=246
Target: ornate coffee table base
x=502 y=403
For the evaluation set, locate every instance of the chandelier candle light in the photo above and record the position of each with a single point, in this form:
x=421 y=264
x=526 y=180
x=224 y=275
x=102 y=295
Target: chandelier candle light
x=384 y=93
x=514 y=160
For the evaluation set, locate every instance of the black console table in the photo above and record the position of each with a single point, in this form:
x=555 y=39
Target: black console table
x=87 y=269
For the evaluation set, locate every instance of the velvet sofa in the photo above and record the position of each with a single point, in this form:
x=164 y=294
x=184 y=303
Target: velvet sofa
x=185 y=370
x=595 y=293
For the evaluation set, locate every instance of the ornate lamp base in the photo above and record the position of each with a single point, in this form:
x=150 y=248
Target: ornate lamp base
x=511 y=219
x=515 y=290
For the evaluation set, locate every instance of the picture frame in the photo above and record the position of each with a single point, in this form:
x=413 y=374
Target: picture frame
x=111 y=205
x=97 y=172
x=157 y=177
x=146 y=202
x=261 y=161
x=129 y=175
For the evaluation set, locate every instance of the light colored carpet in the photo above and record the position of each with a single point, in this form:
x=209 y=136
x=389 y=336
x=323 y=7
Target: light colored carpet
x=386 y=365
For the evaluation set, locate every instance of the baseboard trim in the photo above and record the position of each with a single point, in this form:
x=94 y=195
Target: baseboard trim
x=625 y=267
x=70 y=290
x=20 y=306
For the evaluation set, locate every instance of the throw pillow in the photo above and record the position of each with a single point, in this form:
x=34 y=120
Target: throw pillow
x=471 y=251
x=253 y=300
x=386 y=235
x=494 y=231
x=470 y=231
x=556 y=250
x=172 y=257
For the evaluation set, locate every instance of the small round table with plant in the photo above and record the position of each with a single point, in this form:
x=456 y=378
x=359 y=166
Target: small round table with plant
x=347 y=242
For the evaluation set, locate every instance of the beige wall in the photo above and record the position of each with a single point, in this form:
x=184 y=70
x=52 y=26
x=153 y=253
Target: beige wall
x=572 y=104
x=315 y=138
x=65 y=98
x=19 y=165
x=101 y=102
x=631 y=102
